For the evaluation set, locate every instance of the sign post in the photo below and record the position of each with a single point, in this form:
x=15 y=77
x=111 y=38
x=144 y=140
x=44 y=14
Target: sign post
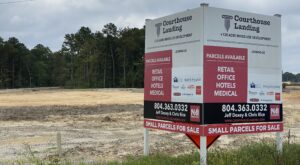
x=279 y=135
x=203 y=150
x=146 y=141
x=279 y=140
x=211 y=72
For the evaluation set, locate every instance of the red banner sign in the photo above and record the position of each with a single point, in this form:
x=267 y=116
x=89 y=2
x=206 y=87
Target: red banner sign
x=223 y=129
x=225 y=74
x=193 y=129
x=213 y=129
x=158 y=71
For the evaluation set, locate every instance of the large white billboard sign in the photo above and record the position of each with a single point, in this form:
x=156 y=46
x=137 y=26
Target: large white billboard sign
x=213 y=66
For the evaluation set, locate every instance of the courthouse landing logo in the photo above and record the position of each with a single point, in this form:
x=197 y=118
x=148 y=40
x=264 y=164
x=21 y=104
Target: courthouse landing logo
x=227 y=19
x=245 y=23
x=172 y=25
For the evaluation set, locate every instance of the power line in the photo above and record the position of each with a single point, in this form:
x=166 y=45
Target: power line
x=13 y=2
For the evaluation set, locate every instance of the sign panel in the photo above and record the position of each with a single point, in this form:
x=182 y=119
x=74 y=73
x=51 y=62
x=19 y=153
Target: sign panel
x=173 y=111
x=242 y=67
x=212 y=66
x=192 y=131
x=173 y=126
x=224 y=129
x=225 y=74
x=173 y=68
x=158 y=67
x=213 y=131
x=242 y=112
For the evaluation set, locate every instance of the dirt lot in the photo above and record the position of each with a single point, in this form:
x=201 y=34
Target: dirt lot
x=100 y=124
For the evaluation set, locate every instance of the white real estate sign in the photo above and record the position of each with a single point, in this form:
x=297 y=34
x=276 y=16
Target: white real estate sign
x=213 y=66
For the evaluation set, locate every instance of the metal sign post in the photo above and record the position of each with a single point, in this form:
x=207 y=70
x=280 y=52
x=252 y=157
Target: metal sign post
x=203 y=150
x=146 y=141
x=279 y=139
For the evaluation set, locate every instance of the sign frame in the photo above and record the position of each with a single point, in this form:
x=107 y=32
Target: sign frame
x=221 y=76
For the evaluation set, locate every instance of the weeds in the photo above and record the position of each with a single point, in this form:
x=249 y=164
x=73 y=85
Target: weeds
x=254 y=154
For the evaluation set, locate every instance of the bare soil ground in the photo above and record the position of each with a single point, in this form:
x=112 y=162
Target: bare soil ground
x=100 y=124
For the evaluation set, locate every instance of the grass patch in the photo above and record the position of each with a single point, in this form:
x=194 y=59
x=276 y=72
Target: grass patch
x=254 y=154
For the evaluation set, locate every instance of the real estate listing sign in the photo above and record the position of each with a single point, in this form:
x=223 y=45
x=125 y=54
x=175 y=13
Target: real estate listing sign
x=213 y=66
x=242 y=67
x=173 y=68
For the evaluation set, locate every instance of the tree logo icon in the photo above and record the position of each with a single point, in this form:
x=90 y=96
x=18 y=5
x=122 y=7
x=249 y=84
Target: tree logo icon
x=227 y=19
x=158 y=25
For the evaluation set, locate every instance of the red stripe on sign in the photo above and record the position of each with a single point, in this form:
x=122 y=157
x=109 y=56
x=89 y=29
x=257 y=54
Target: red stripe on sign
x=158 y=75
x=192 y=129
x=225 y=74
x=223 y=129
x=161 y=59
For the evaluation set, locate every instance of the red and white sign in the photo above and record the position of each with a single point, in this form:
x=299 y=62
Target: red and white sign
x=242 y=128
x=195 y=113
x=193 y=129
x=158 y=73
x=214 y=129
x=225 y=74
x=274 y=112
x=213 y=67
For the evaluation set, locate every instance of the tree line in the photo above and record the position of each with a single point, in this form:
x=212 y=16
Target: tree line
x=112 y=57
x=287 y=76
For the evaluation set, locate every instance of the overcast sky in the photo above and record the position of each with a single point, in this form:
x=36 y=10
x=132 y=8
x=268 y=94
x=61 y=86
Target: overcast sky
x=47 y=21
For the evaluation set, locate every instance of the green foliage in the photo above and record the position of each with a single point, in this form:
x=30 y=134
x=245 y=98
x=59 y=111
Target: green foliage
x=254 y=154
x=110 y=57
x=287 y=76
